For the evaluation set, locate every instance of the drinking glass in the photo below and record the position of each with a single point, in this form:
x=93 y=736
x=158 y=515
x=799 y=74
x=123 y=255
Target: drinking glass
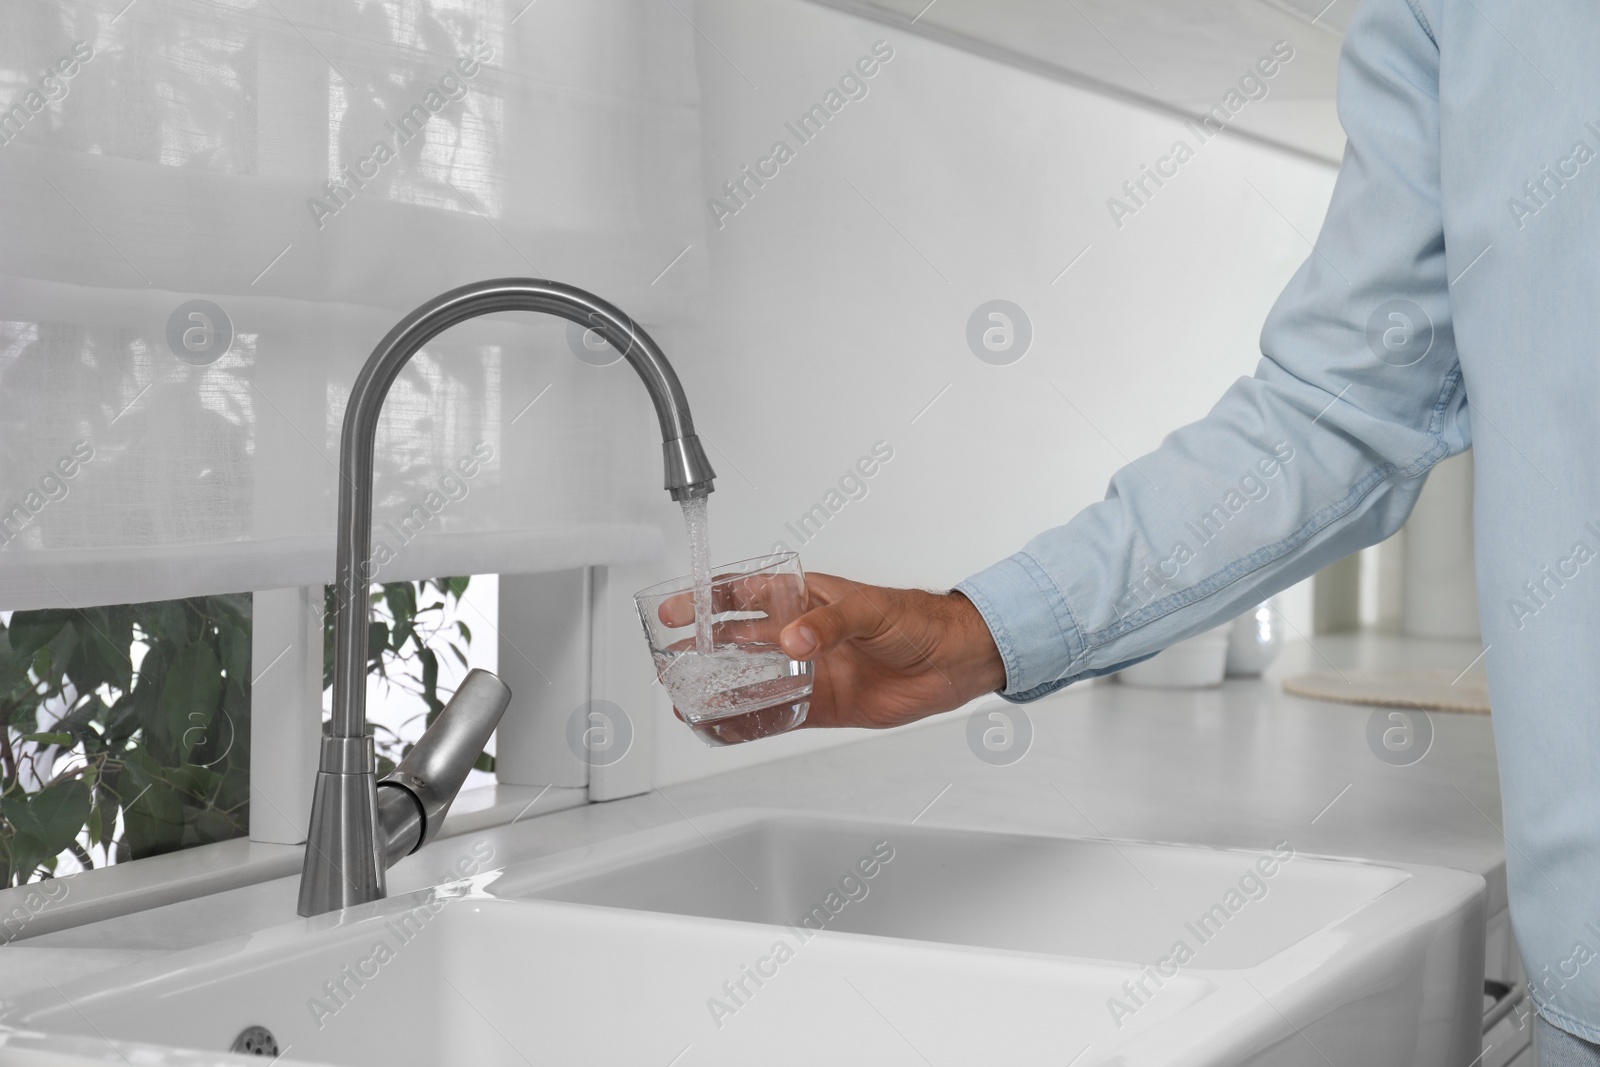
x=745 y=686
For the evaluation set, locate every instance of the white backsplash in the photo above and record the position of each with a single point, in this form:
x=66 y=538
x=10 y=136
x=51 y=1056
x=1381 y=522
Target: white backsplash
x=841 y=293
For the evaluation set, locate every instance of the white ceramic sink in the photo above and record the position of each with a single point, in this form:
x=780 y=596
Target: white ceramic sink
x=1055 y=896
x=935 y=947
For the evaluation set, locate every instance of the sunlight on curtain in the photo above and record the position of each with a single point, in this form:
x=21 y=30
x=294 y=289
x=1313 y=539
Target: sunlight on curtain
x=213 y=211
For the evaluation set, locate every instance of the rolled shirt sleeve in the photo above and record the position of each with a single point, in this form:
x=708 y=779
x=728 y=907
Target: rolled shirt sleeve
x=1322 y=452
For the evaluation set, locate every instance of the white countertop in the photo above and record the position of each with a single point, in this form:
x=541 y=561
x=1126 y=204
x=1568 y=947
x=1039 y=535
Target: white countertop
x=1243 y=765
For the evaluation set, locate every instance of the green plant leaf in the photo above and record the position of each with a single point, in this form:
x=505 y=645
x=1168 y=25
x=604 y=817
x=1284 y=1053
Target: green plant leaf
x=234 y=644
x=48 y=739
x=15 y=685
x=170 y=620
x=217 y=738
x=232 y=612
x=152 y=811
x=213 y=825
x=22 y=857
x=191 y=780
x=101 y=654
x=330 y=600
x=123 y=719
x=430 y=683
x=189 y=696
x=401 y=597
x=103 y=819
x=377 y=642
x=51 y=818
x=79 y=722
x=32 y=630
x=44 y=667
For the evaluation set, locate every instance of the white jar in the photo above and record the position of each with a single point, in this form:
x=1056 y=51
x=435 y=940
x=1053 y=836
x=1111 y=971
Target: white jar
x=1253 y=640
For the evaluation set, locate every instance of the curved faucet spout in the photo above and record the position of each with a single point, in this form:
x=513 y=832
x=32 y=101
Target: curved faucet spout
x=347 y=851
x=688 y=473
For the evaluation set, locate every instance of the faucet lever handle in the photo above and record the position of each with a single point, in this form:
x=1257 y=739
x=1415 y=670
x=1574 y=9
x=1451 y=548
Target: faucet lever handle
x=413 y=800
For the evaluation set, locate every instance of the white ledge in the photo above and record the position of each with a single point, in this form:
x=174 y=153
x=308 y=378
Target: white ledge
x=123 y=888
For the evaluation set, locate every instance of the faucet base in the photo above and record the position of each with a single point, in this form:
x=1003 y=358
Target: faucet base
x=342 y=865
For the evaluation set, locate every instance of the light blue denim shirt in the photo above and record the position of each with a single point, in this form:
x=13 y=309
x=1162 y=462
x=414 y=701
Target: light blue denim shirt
x=1452 y=300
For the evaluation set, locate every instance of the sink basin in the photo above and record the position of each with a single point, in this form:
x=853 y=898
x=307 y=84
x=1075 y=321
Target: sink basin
x=496 y=983
x=1085 y=899
x=784 y=939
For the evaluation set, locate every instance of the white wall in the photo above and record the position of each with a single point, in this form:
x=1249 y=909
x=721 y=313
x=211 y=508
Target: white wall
x=841 y=294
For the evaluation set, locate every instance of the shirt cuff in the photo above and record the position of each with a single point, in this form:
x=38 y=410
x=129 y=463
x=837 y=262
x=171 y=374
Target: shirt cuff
x=1033 y=628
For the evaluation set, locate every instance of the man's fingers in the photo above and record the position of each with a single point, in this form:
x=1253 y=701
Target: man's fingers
x=822 y=628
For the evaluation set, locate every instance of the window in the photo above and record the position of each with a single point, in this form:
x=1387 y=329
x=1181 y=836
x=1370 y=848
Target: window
x=420 y=638
x=127 y=728
x=126 y=732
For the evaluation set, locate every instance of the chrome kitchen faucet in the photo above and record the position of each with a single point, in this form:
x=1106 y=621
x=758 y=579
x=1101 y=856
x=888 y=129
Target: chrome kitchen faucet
x=359 y=825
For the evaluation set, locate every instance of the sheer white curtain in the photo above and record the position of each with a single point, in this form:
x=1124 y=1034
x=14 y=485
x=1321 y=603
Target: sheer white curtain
x=210 y=212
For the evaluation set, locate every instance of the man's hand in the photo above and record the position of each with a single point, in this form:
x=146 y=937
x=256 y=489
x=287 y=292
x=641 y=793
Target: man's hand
x=886 y=657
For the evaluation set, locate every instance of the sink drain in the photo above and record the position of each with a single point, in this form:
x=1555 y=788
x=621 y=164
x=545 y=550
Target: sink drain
x=255 y=1041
